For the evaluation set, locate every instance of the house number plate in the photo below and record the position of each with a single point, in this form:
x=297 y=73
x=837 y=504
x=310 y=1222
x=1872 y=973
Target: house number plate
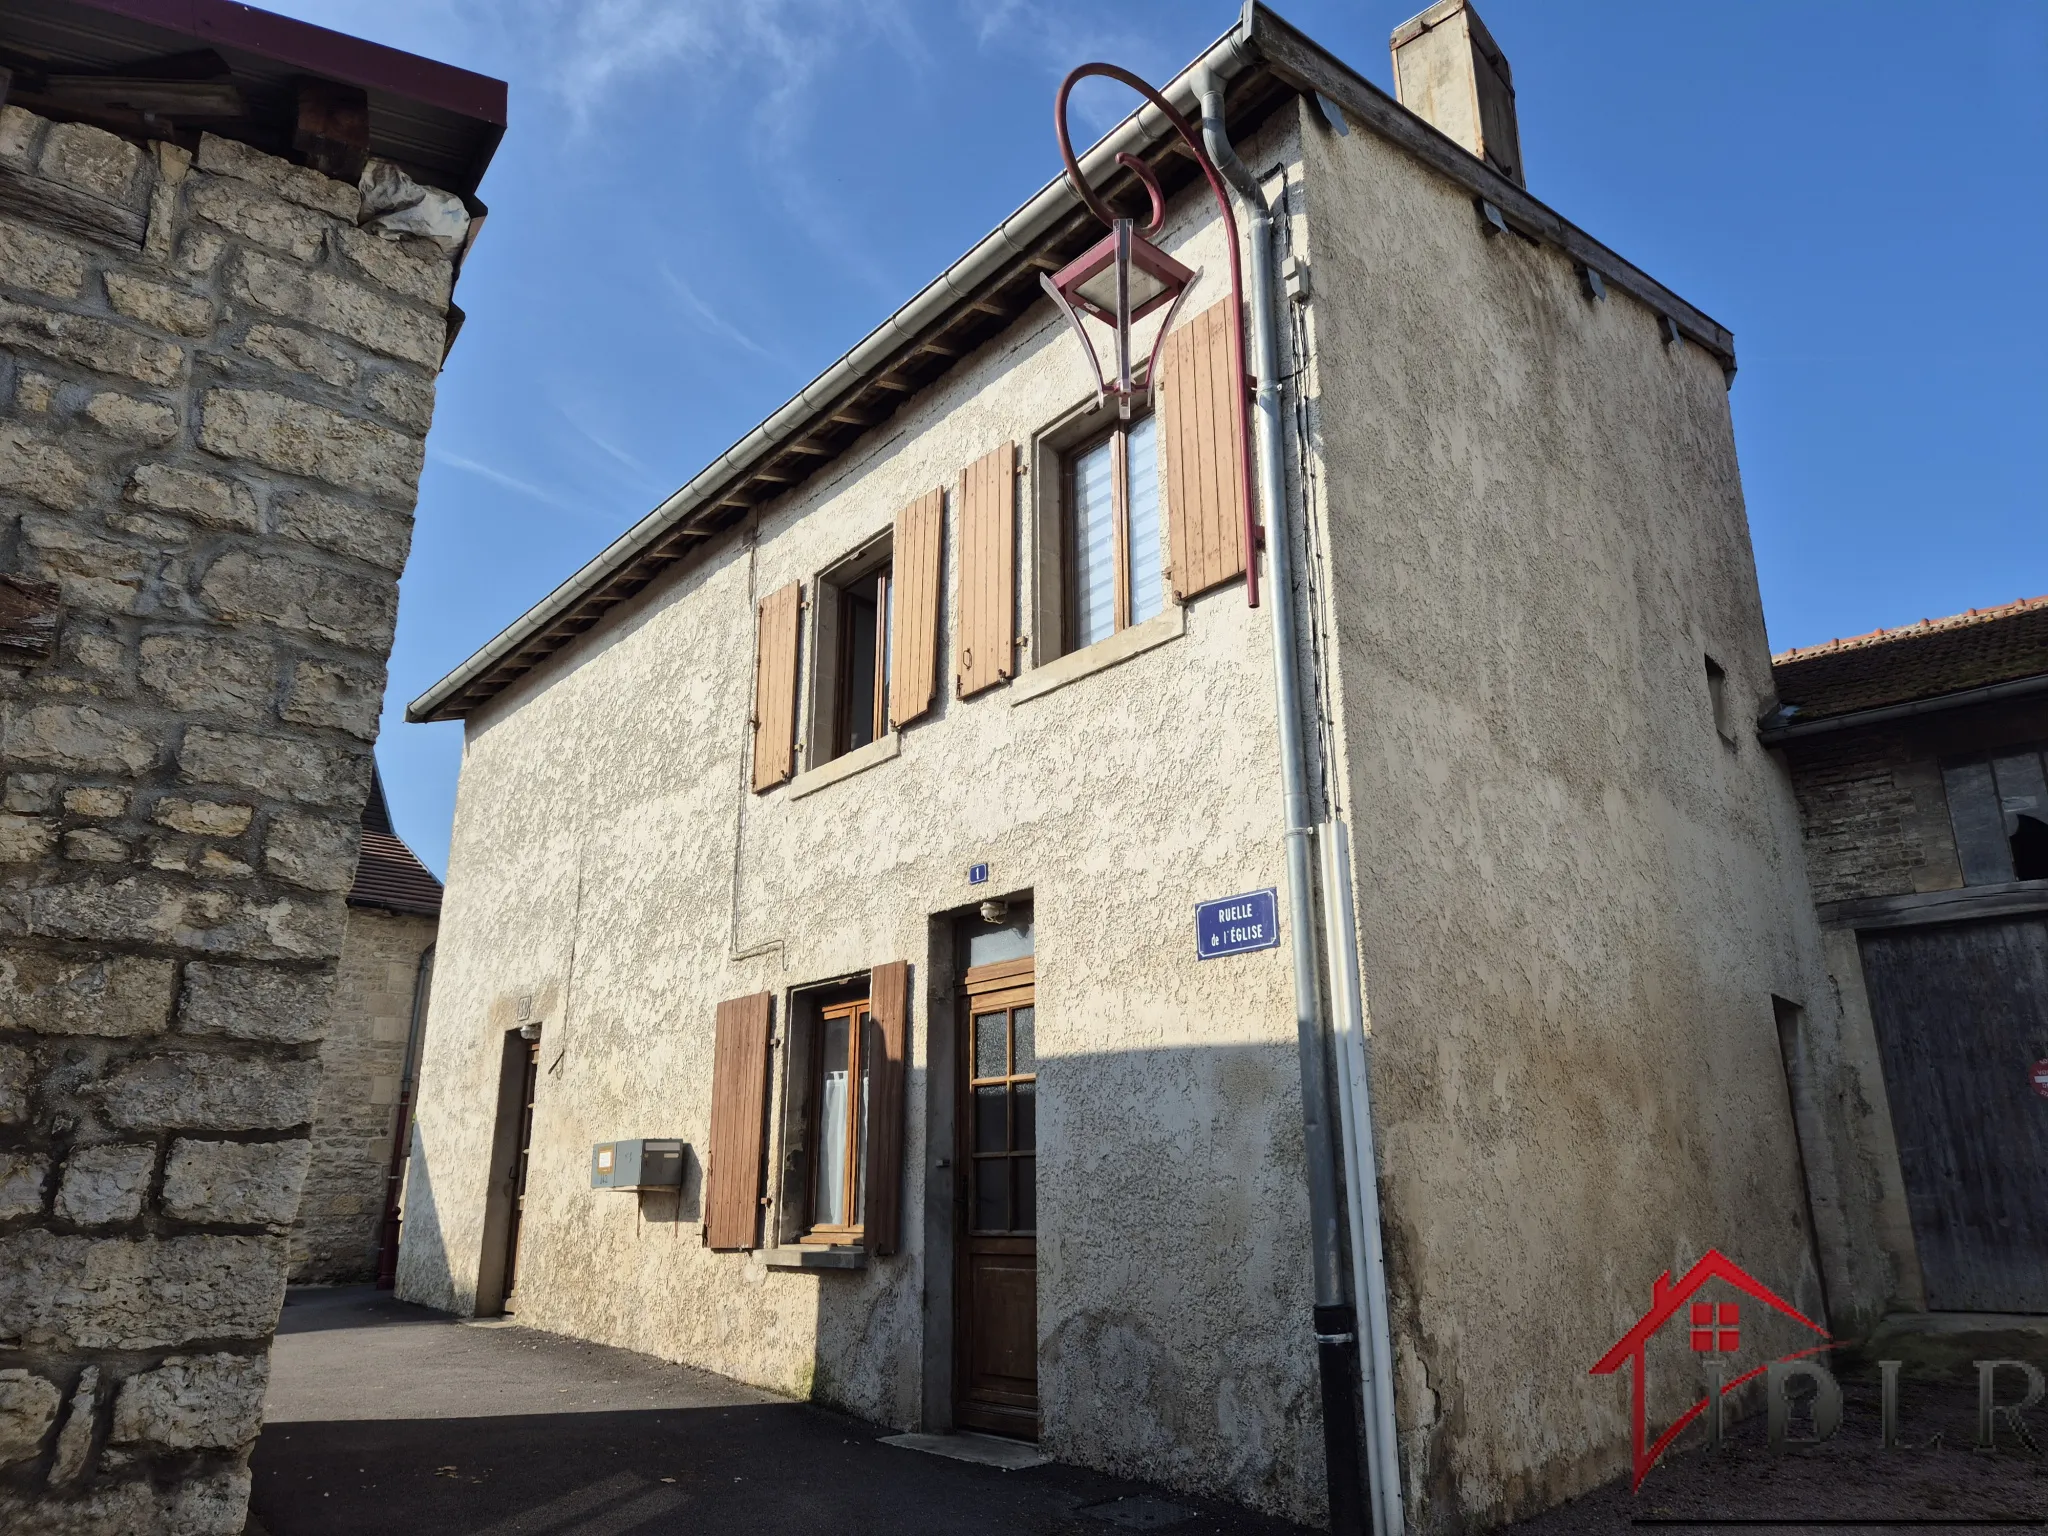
x=1237 y=924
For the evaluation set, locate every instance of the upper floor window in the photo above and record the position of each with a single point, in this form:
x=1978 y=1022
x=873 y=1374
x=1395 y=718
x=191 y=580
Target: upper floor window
x=1116 y=567
x=1999 y=809
x=861 y=689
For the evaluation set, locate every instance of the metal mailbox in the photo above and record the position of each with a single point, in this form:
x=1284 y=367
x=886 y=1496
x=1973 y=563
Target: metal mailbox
x=638 y=1163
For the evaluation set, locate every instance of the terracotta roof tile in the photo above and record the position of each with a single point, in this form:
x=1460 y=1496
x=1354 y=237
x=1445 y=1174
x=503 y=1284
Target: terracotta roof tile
x=389 y=874
x=1915 y=661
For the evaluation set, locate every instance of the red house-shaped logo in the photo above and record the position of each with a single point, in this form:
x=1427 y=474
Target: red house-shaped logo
x=1715 y=1328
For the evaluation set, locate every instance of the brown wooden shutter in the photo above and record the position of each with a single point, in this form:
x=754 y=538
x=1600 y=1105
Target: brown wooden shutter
x=988 y=561
x=733 y=1170
x=1204 y=454
x=914 y=665
x=775 y=642
x=889 y=1007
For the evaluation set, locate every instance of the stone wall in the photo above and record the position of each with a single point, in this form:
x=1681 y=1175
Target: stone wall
x=362 y=1062
x=1871 y=802
x=216 y=391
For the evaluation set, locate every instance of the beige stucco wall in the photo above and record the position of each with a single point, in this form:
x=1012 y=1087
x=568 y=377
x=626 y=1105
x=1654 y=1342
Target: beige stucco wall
x=1576 y=899
x=609 y=864
x=1576 y=902
x=362 y=1062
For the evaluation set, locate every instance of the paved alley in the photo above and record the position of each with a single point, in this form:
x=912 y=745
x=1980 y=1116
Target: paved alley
x=384 y=1417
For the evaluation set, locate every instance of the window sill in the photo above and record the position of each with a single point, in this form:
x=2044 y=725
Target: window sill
x=796 y=1257
x=845 y=766
x=1102 y=655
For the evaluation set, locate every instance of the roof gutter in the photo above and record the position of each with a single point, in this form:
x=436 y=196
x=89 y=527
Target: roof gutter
x=1795 y=729
x=1016 y=236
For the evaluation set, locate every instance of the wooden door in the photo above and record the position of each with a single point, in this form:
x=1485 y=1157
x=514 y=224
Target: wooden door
x=1961 y=1011
x=517 y=1175
x=996 y=1371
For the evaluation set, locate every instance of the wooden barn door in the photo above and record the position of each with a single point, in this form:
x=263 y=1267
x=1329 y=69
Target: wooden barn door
x=996 y=1375
x=1961 y=1011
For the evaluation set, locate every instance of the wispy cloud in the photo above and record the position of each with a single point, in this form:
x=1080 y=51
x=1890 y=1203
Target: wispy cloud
x=1052 y=38
x=709 y=319
x=500 y=478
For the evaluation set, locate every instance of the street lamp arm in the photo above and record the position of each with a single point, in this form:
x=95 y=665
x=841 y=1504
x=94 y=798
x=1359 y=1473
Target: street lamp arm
x=1240 y=418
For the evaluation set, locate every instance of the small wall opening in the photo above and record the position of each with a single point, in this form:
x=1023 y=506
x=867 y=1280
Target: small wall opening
x=1717 y=697
x=2029 y=848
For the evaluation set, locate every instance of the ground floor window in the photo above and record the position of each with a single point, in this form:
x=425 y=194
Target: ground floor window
x=839 y=1123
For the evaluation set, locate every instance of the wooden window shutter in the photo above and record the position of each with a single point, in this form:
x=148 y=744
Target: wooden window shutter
x=988 y=562
x=734 y=1172
x=889 y=1008
x=1204 y=455
x=914 y=664
x=775 y=642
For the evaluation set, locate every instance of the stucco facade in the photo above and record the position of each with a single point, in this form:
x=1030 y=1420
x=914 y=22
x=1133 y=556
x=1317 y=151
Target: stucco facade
x=1518 y=515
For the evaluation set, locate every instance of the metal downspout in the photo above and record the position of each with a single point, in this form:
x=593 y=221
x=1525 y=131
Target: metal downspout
x=1336 y=1320
x=1368 y=1257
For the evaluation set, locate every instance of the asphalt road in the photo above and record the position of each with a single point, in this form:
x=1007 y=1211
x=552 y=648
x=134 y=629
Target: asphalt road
x=387 y=1418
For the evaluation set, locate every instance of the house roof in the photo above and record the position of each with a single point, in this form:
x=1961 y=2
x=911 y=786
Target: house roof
x=389 y=875
x=1262 y=63
x=439 y=122
x=1933 y=658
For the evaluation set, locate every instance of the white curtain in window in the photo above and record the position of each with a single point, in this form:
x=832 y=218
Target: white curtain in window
x=830 y=1210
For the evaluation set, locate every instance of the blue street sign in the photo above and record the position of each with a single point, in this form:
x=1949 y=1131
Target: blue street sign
x=977 y=874
x=1237 y=924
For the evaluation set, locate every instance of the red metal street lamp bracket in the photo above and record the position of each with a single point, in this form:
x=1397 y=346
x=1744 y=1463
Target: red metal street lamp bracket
x=1128 y=250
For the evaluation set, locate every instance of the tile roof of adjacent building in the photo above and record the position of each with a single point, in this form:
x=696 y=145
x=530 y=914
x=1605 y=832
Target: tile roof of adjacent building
x=1978 y=649
x=1263 y=62
x=440 y=122
x=389 y=875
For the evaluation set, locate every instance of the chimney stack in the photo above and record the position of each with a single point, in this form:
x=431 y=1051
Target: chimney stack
x=1450 y=73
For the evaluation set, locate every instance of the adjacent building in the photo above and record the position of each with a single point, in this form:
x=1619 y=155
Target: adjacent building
x=841 y=828
x=347 y=1229
x=1917 y=757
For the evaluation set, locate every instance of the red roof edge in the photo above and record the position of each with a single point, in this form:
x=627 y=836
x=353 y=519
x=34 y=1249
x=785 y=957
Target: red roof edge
x=317 y=50
x=1910 y=631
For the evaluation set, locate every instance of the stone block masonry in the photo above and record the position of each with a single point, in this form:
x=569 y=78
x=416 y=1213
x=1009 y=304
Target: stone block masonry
x=362 y=1064
x=211 y=435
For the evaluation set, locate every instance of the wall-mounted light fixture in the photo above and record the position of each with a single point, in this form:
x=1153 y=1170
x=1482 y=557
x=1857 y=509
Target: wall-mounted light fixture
x=1123 y=277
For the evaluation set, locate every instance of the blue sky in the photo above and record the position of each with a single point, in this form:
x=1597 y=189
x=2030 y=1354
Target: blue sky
x=701 y=203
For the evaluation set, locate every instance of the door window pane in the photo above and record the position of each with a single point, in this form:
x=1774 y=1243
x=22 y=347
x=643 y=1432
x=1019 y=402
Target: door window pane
x=1148 y=575
x=991 y=1045
x=1094 y=545
x=1024 y=1134
x=992 y=1194
x=1027 y=1194
x=991 y=1120
x=1027 y=1052
x=834 y=1103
